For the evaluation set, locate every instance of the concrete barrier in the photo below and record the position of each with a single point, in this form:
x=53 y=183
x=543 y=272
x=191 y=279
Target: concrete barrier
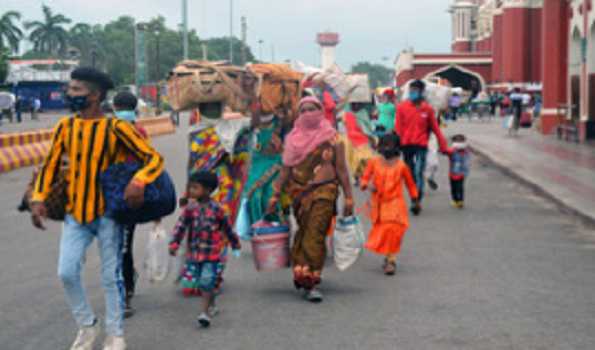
x=156 y=126
x=18 y=150
x=23 y=149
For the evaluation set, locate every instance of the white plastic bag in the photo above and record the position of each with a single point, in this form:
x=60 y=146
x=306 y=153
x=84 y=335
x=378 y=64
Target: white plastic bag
x=157 y=255
x=507 y=123
x=432 y=161
x=348 y=242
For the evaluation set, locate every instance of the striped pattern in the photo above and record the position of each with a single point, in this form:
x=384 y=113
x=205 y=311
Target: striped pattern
x=19 y=150
x=25 y=138
x=22 y=155
x=91 y=146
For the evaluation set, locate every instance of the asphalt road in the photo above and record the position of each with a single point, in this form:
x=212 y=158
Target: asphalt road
x=508 y=272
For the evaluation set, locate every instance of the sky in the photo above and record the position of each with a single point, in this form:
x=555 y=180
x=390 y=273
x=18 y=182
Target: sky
x=370 y=30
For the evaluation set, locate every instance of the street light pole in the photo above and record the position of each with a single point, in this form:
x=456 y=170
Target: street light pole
x=260 y=42
x=158 y=92
x=185 y=27
x=231 y=31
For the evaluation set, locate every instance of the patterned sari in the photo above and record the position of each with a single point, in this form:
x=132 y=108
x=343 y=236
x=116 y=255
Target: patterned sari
x=314 y=207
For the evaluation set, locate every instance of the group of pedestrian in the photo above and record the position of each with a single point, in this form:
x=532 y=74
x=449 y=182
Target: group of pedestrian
x=298 y=165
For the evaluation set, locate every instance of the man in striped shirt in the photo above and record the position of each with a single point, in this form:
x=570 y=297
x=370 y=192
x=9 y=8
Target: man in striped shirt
x=90 y=143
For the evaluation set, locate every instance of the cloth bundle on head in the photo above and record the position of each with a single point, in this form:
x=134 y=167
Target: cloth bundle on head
x=311 y=129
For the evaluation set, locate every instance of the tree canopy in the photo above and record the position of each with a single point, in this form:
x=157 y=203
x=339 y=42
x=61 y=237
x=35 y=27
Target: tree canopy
x=10 y=33
x=112 y=46
x=378 y=74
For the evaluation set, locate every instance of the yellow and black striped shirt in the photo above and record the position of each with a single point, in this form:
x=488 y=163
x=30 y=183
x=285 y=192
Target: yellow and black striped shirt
x=91 y=146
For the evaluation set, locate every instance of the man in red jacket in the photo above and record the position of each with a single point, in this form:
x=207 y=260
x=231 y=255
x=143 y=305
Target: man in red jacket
x=414 y=121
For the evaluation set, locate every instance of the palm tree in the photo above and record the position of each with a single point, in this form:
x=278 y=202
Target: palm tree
x=10 y=34
x=49 y=36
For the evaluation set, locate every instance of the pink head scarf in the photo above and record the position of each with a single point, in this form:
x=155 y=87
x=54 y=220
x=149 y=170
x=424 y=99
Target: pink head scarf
x=311 y=129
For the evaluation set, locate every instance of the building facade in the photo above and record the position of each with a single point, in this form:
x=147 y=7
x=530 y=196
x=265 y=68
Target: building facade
x=543 y=45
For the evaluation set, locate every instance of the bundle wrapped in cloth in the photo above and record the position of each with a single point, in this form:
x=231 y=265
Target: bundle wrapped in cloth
x=191 y=83
x=278 y=88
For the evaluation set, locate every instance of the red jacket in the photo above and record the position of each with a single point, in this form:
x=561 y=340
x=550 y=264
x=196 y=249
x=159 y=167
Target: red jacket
x=414 y=124
x=329 y=108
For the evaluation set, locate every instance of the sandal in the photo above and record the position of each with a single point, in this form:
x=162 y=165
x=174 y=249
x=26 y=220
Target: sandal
x=390 y=268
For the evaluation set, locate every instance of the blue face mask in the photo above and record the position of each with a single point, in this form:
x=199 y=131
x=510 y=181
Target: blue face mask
x=129 y=116
x=414 y=96
x=77 y=103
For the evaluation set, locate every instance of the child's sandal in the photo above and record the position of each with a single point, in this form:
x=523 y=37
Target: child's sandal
x=390 y=268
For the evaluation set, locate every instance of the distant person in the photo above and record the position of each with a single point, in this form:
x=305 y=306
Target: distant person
x=415 y=122
x=454 y=104
x=386 y=112
x=516 y=100
x=18 y=108
x=90 y=143
x=207 y=229
x=384 y=177
x=35 y=108
x=459 y=156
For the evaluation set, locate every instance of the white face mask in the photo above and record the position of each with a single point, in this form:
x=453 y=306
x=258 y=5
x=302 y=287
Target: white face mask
x=459 y=145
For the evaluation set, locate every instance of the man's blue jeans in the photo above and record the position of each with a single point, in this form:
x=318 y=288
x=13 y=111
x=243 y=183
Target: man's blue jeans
x=415 y=157
x=74 y=243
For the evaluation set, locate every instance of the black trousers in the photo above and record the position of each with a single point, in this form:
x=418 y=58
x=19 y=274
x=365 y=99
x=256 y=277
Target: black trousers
x=128 y=270
x=457 y=188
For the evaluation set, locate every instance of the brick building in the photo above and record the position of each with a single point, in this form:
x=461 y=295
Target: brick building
x=543 y=45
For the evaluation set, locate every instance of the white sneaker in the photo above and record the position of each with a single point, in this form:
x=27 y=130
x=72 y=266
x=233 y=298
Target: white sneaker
x=86 y=337
x=114 y=343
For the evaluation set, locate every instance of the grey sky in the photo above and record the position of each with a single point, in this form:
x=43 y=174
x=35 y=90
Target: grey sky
x=369 y=29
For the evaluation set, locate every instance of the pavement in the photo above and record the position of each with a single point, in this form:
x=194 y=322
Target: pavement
x=562 y=171
x=46 y=120
x=509 y=272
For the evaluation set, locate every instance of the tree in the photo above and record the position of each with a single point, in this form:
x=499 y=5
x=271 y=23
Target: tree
x=3 y=63
x=115 y=49
x=218 y=49
x=10 y=34
x=378 y=74
x=83 y=40
x=49 y=35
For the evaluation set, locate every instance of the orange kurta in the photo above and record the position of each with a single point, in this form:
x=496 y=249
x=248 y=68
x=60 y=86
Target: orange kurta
x=389 y=213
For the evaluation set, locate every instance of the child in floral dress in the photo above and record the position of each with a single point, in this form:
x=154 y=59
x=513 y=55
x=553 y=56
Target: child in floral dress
x=209 y=230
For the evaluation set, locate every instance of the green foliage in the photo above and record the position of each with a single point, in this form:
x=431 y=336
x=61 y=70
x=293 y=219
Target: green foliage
x=111 y=47
x=49 y=35
x=10 y=33
x=3 y=63
x=378 y=74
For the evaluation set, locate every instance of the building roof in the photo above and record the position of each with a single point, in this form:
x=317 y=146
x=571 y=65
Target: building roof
x=40 y=70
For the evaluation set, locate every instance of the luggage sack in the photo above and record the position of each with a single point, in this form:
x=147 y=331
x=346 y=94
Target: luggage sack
x=193 y=82
x=160 y=195
x=278 y=88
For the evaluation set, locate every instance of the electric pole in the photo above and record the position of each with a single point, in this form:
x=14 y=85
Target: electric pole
x=244 y=39
x=185 y=27
x=231 y=31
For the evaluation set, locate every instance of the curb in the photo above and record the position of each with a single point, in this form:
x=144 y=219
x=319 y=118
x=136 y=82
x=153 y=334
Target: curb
x=538 y=189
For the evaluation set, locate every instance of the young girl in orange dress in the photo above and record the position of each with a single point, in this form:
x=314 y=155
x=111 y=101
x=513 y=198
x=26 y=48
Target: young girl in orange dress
x=384 y=176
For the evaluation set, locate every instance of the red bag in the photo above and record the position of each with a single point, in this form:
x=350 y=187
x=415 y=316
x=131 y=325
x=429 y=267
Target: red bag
x=526 y=120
